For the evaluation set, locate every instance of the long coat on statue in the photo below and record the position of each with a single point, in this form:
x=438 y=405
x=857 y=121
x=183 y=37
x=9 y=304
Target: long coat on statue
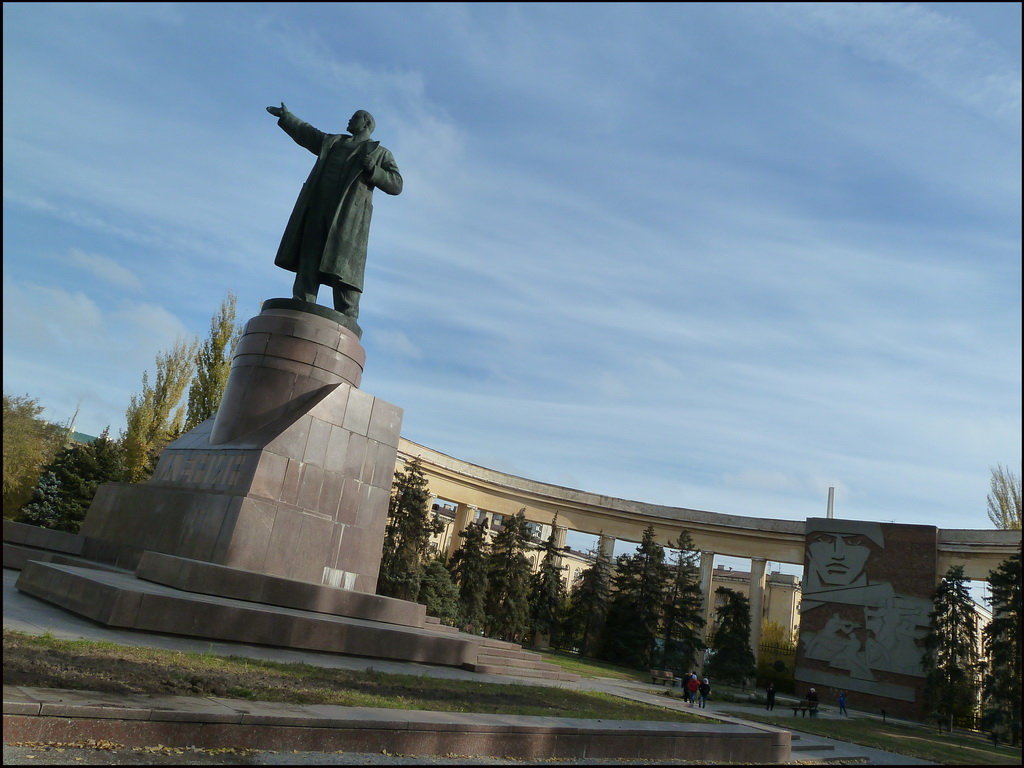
x=331 y=218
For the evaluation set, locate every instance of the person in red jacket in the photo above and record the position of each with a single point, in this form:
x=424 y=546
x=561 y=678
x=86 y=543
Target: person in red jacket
x=692 y=686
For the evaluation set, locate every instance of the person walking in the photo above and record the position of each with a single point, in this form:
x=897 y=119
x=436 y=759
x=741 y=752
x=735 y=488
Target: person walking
x=693 y=686
x=770 y=694
x=705 y=690
x=842 y=704
x=812 y=702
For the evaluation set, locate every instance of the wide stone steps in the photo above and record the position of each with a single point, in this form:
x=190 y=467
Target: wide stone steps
x=815 y=745
x=24 y=544
x=490 y=642
x=510 y=653
x=432 y=622
x=17 y=555
x=500 y=657
x=555 y=673
x=512 y=661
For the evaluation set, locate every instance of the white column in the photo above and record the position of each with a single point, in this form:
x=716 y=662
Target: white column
x=707 y=561
x=607 y=546
x=464 y=514
x=560 y=532
x=757 y=565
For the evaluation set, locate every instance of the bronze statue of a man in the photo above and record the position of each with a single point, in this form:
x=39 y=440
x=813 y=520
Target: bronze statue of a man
x=325 y=240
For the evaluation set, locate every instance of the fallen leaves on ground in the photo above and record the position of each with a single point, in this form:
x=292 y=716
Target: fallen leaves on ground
x=83 y=744
x=103 y=744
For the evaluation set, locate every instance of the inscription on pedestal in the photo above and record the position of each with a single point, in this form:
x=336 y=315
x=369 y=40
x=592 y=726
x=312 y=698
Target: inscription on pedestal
x=201 y=469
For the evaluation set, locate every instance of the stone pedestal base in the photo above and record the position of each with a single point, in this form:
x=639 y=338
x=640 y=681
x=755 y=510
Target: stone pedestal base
x=291 y=479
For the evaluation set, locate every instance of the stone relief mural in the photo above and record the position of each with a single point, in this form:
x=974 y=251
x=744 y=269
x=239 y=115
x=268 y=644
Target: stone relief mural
x=864 y=612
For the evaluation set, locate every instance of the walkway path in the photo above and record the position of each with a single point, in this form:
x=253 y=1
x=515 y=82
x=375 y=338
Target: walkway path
x=806 y=746
x=27 y=614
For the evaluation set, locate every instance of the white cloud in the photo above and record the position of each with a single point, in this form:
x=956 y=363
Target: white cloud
x=941 y=50
x=47 y=317
x=104 y=268
x=397 y=343
x=763 y=480
x=62 y=347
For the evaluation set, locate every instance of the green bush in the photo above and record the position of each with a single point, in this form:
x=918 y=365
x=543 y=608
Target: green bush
x=777 y=672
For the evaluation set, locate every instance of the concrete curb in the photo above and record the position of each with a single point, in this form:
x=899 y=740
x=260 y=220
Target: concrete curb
x=38 y=714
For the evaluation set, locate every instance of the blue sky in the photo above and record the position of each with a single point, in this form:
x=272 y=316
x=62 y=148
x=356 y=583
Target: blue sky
x=713 y=256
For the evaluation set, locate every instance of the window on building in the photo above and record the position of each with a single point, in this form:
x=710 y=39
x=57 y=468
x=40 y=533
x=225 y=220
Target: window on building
x=444 y=509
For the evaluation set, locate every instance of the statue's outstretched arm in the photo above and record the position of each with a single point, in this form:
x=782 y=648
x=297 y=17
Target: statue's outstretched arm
x=304 y=134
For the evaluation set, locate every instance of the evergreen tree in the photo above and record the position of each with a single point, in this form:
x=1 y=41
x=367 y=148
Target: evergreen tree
x=732 y=660
x=468 y=566
x=683 y=628
x=30 y=443
x=547 y=591
x=508 y=581
x=47 y=507
x=588 y=607
x=213 y=364
x=154 y=417
x=78 y=471
x=635 y=609
x=407 y=534
x=1002 y=684
x=951 y=651
x=439 y=593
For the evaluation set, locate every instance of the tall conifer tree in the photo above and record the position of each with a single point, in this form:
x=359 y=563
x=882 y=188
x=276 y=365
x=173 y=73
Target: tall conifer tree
x=951 y=651
x=547 y=590
x=438 y=592
x=468 y=566
x=588 y=606
x=683 y=627
x=508 y=581
x=1002 y=685
x=635 y=609
x=732 y=661
x=407 y=534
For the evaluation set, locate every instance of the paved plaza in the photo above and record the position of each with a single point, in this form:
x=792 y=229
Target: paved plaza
x=27 y=614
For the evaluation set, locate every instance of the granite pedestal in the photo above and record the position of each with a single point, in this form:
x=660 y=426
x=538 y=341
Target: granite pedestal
x=291 y=479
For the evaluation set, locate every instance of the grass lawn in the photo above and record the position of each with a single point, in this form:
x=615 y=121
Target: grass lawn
x=586 y=667
x=920 y=742
x=46 y=662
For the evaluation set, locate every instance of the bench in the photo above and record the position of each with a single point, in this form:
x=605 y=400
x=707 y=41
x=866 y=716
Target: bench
x=805 y=707
x=663 y=676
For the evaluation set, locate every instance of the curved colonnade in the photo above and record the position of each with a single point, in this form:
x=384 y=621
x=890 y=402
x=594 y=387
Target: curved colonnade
x=474 y=488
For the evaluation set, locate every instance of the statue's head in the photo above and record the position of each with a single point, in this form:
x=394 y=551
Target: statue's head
x=362 y=122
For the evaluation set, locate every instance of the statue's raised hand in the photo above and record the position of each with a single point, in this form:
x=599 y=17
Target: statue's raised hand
x=277 y=111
